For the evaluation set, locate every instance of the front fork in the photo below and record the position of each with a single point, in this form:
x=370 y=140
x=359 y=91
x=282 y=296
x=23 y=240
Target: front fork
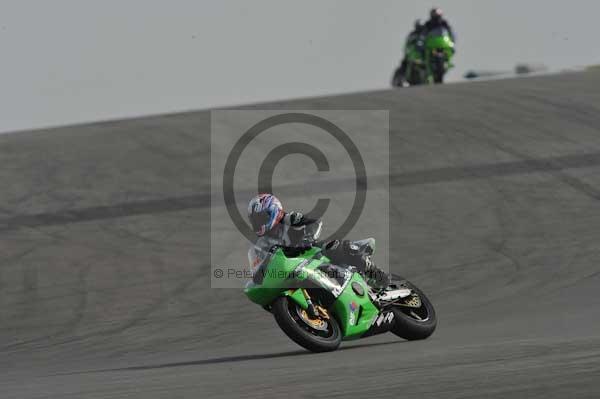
x=311 y=309
x=303 y=299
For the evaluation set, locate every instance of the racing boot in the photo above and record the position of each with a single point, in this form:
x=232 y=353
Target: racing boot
x=377 y=279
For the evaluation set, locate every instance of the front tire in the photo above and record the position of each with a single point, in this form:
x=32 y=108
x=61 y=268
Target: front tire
x=439 y=70
x=287 y=317
x=414 y=323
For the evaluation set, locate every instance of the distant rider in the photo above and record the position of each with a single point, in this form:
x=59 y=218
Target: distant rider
x=416 y=36
x=274 y=227
x=436 y=21
x=416 y=39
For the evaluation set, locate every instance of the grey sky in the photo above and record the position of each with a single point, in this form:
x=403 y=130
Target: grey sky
x=69 y=61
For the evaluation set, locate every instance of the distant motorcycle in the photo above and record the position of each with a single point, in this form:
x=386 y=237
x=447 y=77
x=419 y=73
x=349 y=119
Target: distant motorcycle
x=415 y=72
x=318 y=304
x=427 y=62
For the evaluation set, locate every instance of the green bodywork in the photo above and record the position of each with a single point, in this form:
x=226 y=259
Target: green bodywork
x=435 y=42
x=420 y=66
x=354 y=313
x=412 y=53
x=415 y=71
x=440 y=42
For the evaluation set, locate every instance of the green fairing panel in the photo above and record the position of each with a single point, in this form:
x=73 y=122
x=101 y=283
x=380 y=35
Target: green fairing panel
x=275 y=283
x=413 y=54
x=440 y=42
x=298 y=297
x=355 y=313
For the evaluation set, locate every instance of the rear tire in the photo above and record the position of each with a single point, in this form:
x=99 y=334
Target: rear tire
x=398 y=78
x=418 y=75
x=407 y=325
x=301 y=333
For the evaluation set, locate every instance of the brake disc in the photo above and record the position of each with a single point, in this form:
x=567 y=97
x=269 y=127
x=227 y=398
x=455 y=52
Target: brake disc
x=317 y=324
x=413 y=301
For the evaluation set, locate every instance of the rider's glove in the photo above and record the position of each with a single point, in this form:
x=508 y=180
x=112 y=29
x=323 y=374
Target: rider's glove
x=294 y=219
x=297 y=219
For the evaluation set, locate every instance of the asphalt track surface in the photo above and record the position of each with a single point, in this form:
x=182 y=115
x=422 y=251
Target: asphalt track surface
x=495 y=211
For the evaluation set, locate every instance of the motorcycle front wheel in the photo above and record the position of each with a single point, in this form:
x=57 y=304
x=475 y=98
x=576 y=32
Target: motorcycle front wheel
x=438 y=70
x=316 y=335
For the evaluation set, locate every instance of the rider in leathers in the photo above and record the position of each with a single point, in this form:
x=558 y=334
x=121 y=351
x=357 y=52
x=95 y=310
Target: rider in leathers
x=287 y=230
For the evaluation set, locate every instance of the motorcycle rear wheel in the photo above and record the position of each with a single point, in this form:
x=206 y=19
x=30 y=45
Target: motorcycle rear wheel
x=414 y=323
x=398 y=78
x=287 y=316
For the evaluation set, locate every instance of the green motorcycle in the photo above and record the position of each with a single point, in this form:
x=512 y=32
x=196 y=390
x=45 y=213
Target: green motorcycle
x=439 y=51
x=318 y=304
x=413 y=71
x=426 y=61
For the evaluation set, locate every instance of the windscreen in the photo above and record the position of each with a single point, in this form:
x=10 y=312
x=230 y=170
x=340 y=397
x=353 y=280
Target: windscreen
x=257 y=257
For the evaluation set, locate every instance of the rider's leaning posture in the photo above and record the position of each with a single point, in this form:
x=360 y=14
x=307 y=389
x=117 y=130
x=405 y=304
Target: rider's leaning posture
x=286 y=230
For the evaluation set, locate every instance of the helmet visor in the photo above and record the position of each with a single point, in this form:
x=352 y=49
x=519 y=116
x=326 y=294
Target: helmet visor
x=258 y=220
